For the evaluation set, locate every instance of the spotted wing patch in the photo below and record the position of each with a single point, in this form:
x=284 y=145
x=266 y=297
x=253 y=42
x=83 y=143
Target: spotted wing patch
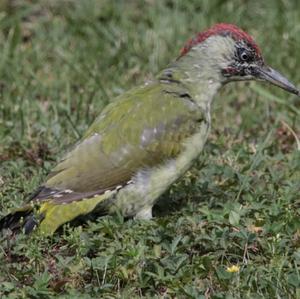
x=67 y=196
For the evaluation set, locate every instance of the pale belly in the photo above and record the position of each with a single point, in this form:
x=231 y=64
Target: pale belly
x=147 y=185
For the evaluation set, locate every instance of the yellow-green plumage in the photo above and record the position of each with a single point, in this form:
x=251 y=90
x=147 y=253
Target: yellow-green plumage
x=57 y=214
x=147 y=138
x=112 y=150
x=124 y=142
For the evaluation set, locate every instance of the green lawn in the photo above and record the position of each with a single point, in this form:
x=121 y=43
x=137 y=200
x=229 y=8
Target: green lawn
x=61 y=62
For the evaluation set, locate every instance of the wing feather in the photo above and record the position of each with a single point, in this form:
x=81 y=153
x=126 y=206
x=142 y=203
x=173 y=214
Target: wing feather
x=123 y=139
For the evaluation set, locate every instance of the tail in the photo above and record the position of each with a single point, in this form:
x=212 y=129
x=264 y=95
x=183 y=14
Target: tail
x=52 y=212
x=20 y=219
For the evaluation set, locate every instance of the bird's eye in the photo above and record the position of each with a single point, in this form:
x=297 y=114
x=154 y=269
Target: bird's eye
x=244 y=55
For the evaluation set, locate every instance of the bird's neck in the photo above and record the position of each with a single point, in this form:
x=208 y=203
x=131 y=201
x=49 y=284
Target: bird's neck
x=201 y=80
x=200 y=69
x=201 y=84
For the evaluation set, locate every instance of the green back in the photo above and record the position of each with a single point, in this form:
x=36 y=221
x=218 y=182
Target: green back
x=141 y=129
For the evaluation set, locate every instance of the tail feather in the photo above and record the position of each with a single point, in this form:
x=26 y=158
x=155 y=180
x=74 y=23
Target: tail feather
x=49 y=214
x=20 y=219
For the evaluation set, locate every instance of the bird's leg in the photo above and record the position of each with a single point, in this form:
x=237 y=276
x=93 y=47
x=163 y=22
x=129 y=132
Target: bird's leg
x=145 y=213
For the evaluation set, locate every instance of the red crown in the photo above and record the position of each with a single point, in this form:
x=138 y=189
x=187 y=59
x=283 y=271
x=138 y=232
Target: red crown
x=220 y=29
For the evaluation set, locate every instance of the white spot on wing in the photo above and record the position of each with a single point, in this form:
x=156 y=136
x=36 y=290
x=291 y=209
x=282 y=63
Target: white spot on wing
x=124 y=150
x=57 y=195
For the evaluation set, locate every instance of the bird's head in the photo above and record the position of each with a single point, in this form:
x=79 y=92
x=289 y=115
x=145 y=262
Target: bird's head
x=232 y=54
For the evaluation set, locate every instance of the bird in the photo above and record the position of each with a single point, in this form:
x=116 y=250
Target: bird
x=146 y=138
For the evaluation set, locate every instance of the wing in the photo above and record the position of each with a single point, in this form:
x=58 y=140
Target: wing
x=141 y=129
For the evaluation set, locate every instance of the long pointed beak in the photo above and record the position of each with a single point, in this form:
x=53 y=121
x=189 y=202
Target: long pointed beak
x=270 y=75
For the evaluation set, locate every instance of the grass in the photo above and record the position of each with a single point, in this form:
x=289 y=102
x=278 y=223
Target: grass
x=61 y=62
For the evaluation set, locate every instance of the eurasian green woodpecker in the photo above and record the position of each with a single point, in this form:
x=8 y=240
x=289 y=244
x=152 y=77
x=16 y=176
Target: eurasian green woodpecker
x=148 y=137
